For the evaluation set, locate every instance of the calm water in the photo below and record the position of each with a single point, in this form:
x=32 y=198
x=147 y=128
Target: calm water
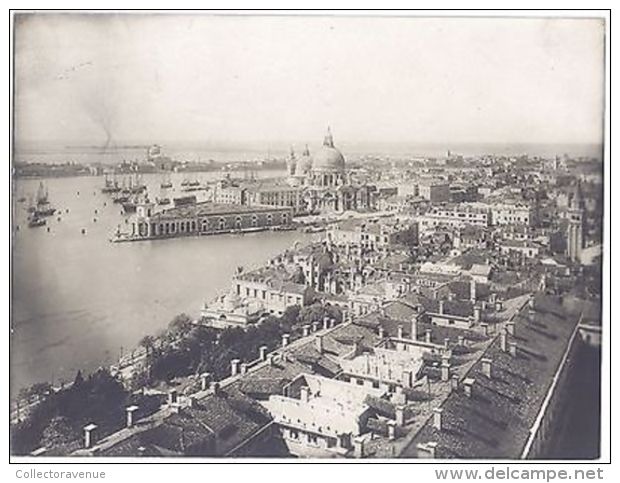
x=77 y=299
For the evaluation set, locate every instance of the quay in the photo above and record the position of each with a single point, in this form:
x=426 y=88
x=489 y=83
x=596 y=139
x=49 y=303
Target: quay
x=204 y=219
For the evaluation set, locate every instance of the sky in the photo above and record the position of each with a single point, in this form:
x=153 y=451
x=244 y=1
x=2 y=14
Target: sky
x=93 y=79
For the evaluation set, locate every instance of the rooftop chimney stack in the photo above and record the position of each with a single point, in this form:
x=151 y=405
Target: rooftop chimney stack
x=486 y=367
x=304 y=394
x=325 y=322
x=477 y=314
x=130 y=411
x=391 y=430
x=400 y=415
x=381 y=332
x=445 y=369
x=244 y=368
x=437 y=419
x=485 y=328
x=414 y=329
x=503 y=341
x=441 y=307
x=234 y=367
x=205 y=379
x=446 y=343
x=407 y=379
x=513 y=348
x=461 y=341
x=332 y=322
x=427 y=336
x=358 y=447
x=510 y=328
x=455 y=382
x=427 y=450
x=262 y=353
x=400 y=332
x=472 y=291
x=89 y=435
x=306 y=330
x=468 y=386
x=172 y=396
x=285 y=339
x=319 y=343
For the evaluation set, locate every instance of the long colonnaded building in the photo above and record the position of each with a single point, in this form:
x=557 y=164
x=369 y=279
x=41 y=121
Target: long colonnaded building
x=205 y=219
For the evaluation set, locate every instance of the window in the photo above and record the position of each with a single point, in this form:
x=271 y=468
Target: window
x=313 y=439
x=294 y=434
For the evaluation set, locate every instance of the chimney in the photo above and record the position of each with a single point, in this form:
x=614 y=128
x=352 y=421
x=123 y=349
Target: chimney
x=510 y=328
x=191 y=402
x=445 y=369
x=400 y=415
x=400 y=332
x=325 y=322
x=485 y=328
x=499 y=306
x=391 y=430
x=414 y=329
x=450 y=296
x=304 y=395
x=262 y=353
x=427 y=450
x=285 y=339
x=513 y=348
x=427 y=336
x=472 y=291
x=234 y=367
x=89 y=435
x=455 y=382
x=319 y=343
x=272 y=359
x=407 y=379
x=468 y=386
x=172 y=396
x=244 y=368
x=306 y=330
x=503 y=341
x=446 y=343
x=130 y=410
x=437 y=418
x=486 y=367
x=358 y=447
x=531 y=302
x=215 y=387
x=477 y=314
x=315 y=326
x=332 y=322
x=381 y=332
x=461 y=341
x=205 y=379
x=441 y=306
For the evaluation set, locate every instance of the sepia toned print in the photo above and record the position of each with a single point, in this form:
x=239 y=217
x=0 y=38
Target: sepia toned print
x=306 y=236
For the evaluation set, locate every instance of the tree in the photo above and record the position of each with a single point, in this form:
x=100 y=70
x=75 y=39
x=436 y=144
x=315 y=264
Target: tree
x=58 y=432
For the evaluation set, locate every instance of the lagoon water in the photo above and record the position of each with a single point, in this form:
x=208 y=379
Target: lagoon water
x=79 y=300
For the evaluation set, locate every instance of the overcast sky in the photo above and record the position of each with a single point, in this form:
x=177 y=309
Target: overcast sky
x=199 y=78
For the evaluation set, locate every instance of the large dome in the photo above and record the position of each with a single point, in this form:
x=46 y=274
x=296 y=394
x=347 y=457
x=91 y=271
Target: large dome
x=328 y=158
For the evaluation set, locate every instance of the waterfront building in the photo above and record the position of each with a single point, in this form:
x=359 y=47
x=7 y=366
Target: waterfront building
x=206 y=219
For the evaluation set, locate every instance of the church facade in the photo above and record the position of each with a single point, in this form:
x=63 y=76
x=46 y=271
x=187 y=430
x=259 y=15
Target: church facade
x=324 y=183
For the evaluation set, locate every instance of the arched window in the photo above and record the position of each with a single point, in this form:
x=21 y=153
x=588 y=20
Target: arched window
x=238 y=222
x=222 y=223
x=284 y=218
x=269 y=219
x=254 y=220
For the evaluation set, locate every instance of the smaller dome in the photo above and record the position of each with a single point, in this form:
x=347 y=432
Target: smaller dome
x=305 y=162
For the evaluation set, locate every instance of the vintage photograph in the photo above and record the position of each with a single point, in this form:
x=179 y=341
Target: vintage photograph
x=313 y=236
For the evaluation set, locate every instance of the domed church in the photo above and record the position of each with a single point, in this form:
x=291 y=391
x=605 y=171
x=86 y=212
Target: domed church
x=324 y=180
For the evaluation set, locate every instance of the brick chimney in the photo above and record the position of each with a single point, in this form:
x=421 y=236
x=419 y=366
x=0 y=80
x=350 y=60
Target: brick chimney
x=503 y=340
x=89 y=435
x=262 y=353
x=391 y=430
x=414 y=329
x=234 y=367
x=358 y=447
x=205 y=379
x=486 y=366
x=437 y=418
x=427 y=450
x=215 y=387
x=441 y=307
x=428 y=336
x=130 y=412
x=400 y=415
x=285 y=339
x=325 y=322
x=306 y=330
x=454 y=382
x=512 y=347
x=445 y=369
x=477 y=314
x=468 y=386
x=244 y=368
x=318 y=340
x=407 y=378
x=304 y=394
x=332 y=322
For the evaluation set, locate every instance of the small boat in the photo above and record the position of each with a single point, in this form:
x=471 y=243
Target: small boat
x=163 y=201
x=35 y=221
x=43 y=212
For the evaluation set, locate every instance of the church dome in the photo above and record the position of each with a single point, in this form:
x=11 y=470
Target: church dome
x=328 y=158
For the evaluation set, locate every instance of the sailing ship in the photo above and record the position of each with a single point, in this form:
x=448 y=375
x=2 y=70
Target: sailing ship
x=42 y=207
x=111 y=185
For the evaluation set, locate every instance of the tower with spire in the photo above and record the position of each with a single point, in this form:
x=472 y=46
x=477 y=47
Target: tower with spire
x=576 y=225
